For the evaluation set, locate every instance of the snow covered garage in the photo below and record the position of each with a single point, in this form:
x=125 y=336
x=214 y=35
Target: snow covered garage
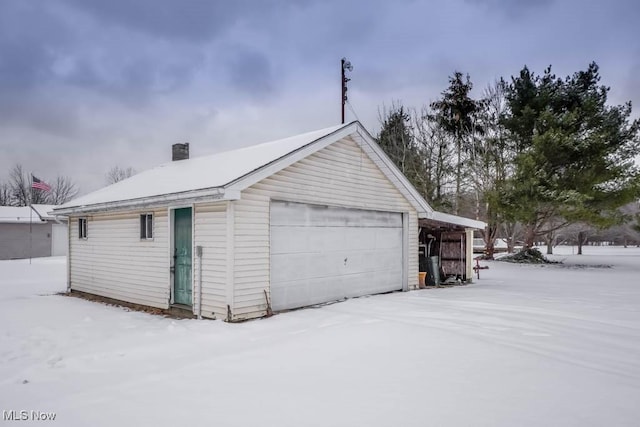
x=295 y=222
x=30 y=232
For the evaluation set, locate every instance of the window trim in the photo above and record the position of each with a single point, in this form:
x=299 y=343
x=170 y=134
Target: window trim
x=146 y=221
x=83 y=232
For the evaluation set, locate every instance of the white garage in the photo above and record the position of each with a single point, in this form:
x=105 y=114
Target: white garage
x=309 y=219
x=324 y=253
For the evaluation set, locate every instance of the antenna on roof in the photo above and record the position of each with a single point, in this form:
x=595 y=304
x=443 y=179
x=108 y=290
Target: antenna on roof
x=344 y=66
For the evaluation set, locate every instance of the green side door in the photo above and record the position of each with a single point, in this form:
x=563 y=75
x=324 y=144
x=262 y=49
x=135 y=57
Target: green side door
x=182 y=256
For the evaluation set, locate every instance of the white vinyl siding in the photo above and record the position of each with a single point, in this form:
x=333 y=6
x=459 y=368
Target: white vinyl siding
x=113 y=262
x=210 y=232
x=338 y=175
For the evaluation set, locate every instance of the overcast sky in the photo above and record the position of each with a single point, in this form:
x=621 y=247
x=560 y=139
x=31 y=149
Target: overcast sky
x=89 y=84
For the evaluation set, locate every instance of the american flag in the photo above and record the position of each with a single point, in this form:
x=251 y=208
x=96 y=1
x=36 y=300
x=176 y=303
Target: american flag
x=39 y=184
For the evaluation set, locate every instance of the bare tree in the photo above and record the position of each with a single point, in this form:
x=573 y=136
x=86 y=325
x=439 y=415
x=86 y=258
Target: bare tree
x=555 y=235
x=5 y=194
x=63 y=189
x=21 y=192
x=490 y=162
x=20 y=186
x=579 y=233
x=512 y=231
x=628 y=232
x=437 y=150
x=117 y=174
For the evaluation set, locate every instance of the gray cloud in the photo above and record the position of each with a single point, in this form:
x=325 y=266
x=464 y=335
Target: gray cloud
x=251 y=72
x=630 y=88
x=48 y=116
x=192 y=20
x=86 y=84
x=134 y=81
x=55 y=62
x=512 y=8
x=29 y=37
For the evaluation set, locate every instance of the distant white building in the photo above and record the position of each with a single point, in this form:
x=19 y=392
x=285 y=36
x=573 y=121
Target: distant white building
x=304 y=220
x=31 y=232
x=500 y=245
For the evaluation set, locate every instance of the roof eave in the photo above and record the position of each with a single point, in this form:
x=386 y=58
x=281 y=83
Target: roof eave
x=455 y=220
x=208 y=194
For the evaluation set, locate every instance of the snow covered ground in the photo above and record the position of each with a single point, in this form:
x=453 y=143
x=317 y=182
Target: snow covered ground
x=524 y=345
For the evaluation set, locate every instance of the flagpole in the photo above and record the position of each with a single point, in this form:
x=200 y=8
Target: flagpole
x=36 y=184
x=30 y=219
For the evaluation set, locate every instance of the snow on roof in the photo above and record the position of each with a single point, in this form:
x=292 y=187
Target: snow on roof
x=198 y=173
x=18 y=214
x=43 y=210
x=220 y=170
x=458 y=220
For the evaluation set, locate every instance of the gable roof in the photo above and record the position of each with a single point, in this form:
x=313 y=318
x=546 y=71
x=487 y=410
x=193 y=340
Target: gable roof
x=193 y=175
x=224 y=175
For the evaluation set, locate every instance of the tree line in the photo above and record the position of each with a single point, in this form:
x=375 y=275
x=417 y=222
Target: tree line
x=17 y=190
x=536 y=156
x=533 y=155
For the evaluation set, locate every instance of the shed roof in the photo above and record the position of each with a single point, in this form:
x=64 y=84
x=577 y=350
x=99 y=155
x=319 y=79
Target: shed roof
x=457 y=220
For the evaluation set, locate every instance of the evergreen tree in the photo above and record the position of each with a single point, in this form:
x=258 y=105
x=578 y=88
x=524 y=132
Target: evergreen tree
x=457 y=113
x=574 y=153
x=396 y=139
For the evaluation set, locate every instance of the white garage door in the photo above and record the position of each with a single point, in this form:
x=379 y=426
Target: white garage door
x=321 y=253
